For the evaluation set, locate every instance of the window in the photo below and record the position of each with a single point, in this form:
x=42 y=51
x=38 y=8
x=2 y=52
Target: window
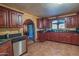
x=54 y=24
x=61 y=24
x=58 y=24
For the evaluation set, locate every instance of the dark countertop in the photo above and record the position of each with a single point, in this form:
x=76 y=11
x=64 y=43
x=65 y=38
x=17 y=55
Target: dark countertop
x=2 y=41
x=63 y=31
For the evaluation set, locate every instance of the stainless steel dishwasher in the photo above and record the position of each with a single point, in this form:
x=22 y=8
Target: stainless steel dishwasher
x=19 y=47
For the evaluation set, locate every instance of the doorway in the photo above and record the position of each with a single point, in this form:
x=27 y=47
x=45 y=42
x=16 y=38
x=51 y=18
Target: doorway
x=29 y=30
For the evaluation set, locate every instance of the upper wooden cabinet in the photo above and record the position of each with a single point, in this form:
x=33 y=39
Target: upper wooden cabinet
x=3 y=17
x=40 y=24
x=43 y=23
x=72 y=21
x=10 y=18
x=19 y=20
x=47 y=23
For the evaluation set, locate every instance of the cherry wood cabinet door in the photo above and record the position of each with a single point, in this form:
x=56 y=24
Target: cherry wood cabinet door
x=74 y=21
x=43 y=23
x=53 y=36
x=78 y=40
x=67 y=22
x=71 y=21
x=49 y=35
x=2 y=23
x=3 y=17
x=12 y=17
x=19 y=21
x=61 y=37
x=6 y=17
x=75 y=38
x=47 y=23
x=6 y=49
x=40 y=23
x=56 y=36
x=40 y=36
x=65 y=37
x=78 y=20
x=46 y=36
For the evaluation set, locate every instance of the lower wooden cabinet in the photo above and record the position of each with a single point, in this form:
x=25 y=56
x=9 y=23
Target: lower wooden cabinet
x=42 y=36
x=65 y=37
x=53 y=36
x=6 y=49
x=75 y=38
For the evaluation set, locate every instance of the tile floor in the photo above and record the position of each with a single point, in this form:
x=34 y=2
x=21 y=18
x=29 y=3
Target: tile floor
x=49 y=48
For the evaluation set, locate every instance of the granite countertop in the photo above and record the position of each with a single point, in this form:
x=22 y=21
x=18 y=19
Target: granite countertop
x=8 y=39
x=59 y=31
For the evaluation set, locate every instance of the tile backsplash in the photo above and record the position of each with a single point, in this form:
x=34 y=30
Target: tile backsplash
x=9 y=31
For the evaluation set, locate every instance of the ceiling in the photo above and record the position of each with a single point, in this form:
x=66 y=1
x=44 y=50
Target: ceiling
x=46 y=9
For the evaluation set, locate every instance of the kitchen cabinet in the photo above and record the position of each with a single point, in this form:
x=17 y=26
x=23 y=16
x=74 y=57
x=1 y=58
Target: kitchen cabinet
x=78 y=20
x=65 y=37
x=71 y=21
x=53 y=36
x=46 y=35
x=6 y=49
x=3 y=17
x=19 y=20
x=13 y=18
x=47 y=23
x=10 y=18
x=75 y=38
x=60 y=37
x=68 y=22
x=40 y=24
x=41 y=36
x=43 y=23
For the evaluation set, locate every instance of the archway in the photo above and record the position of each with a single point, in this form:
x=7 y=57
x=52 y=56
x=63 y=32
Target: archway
x=29 y=29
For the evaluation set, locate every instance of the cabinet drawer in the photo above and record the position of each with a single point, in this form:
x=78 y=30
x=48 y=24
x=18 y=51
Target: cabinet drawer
x=6 y=49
